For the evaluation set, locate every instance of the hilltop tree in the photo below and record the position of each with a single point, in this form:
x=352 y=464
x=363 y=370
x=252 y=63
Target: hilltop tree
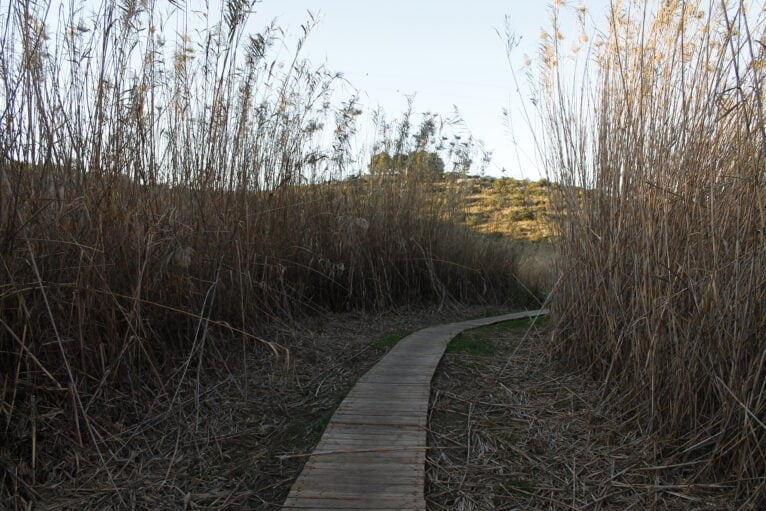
x=419 y=163
x=426 y=164
x=384 y=164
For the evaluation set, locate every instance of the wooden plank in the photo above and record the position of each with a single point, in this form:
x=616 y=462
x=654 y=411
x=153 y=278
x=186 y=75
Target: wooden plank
x=372 y=453
x=381 y=429
x=387 y=409
x=405 y=417
x=380 y=419
x=367 y=447
x=326 y=482
x=356 y=501
x=341 y=430
x=360 y=440
x=369 y=443
x=400 y=376
x=346 y=463
x=390 y=466
x=384 y=400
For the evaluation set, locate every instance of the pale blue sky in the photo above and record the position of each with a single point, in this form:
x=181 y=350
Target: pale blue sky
x=446 y=52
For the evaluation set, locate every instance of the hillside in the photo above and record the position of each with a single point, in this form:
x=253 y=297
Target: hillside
x=517 y=208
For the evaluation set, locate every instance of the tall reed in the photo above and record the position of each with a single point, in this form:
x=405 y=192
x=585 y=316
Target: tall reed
x=153 y=191
x=659 y=147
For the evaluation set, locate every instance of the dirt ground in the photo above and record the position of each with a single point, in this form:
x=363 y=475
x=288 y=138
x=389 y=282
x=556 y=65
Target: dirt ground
x=223 y=434
x=511 y=430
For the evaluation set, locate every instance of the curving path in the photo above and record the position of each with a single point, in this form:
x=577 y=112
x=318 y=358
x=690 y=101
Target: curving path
x=372 y=454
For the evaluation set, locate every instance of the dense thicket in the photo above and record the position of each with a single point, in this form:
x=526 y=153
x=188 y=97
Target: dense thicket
x=663 y=257
x=153 y=192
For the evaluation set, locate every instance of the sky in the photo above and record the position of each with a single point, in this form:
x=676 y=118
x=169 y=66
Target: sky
x=447 y=53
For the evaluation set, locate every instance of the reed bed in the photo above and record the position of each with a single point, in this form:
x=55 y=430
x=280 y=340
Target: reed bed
x=168 y=178
x=511 y=429
x=659 y=147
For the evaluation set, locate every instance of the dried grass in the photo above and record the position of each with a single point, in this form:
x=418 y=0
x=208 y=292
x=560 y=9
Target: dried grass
x=656 y=136
x=227 y=441
x=163 y=195
x=513 y=430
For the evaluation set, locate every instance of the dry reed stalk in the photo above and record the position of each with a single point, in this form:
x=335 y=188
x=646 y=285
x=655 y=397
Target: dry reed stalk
x=157 y=193
x=659 y=148
x=540 y=437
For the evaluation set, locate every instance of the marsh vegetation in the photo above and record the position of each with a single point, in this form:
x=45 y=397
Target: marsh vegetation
x=662 y=265
x=177 y=206
x=170 y=201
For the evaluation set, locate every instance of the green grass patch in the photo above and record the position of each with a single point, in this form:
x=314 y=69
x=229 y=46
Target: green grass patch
x=517 y=324
x=389 y=340
x=474 y=341
x=471 y=345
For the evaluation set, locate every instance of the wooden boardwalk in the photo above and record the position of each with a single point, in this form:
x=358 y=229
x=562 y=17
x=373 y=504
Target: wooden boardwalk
x=372 y=454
